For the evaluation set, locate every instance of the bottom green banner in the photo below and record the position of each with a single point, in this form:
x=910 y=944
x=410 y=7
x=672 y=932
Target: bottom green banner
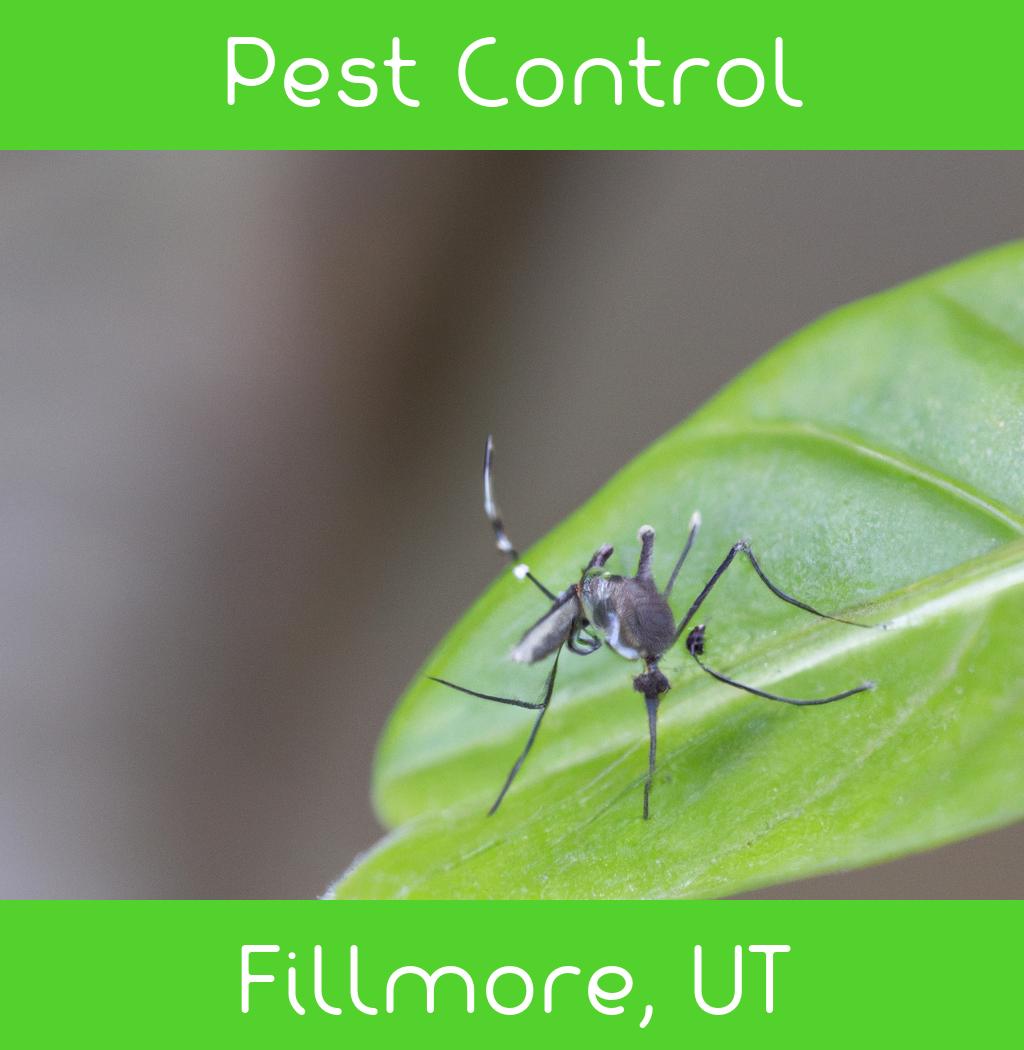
x=770 y=973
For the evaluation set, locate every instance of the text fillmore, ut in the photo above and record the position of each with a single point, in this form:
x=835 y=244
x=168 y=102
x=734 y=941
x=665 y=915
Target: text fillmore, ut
x=507 y=990
x=537 y=82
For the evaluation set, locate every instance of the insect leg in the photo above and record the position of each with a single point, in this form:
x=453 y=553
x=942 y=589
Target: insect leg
x=599 y=557
x=695 y=647
x=487 y=696
x=504 y=544
x=646 y=537
x=581 y=641
x=652 y=684
x=652 y=726
x=743 y=547
x=533 y=735
x=694 y=529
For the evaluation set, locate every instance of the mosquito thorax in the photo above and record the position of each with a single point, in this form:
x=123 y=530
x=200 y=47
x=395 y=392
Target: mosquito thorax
x=632 y=616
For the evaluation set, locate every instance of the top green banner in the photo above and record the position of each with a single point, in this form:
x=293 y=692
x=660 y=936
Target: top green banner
x=744 y=75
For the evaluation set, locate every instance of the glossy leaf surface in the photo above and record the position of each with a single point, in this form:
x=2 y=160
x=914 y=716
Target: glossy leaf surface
x=876 y=463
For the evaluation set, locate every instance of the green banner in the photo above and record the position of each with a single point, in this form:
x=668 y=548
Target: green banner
x=740 y=973
x=236 y=75
x=254 y=75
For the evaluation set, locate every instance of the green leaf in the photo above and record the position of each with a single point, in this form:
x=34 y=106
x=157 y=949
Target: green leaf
x=875 y=462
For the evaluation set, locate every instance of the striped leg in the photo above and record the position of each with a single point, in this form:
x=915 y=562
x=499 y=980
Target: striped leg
x=504 y=544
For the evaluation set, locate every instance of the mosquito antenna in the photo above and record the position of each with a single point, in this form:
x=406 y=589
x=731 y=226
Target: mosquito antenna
x=695 y=646
x=694 y=529
x=504 y=544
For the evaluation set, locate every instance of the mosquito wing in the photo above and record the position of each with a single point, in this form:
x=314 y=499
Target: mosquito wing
x=550 y=631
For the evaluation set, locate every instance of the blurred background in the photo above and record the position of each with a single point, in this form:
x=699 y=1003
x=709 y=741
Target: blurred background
x=242 y=405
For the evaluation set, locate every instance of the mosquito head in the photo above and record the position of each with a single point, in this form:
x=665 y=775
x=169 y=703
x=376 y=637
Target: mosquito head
x=593 y=592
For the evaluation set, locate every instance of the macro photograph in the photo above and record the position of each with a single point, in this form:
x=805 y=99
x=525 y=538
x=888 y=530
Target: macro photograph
x=537 y=525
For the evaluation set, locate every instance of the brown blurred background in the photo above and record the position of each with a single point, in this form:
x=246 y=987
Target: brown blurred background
x=242 y=401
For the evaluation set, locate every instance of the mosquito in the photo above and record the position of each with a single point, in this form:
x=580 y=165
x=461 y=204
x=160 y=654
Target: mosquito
x=632 y=617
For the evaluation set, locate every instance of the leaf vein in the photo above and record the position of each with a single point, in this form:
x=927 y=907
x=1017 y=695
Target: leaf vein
x=898 y=464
